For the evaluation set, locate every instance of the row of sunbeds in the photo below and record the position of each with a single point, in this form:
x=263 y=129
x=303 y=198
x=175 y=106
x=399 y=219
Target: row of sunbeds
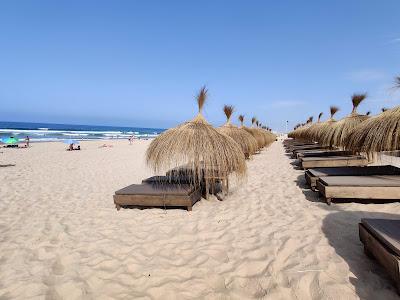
x=338 y=174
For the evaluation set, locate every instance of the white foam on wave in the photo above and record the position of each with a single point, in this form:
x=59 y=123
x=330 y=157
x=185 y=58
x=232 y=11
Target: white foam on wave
x=75 y=134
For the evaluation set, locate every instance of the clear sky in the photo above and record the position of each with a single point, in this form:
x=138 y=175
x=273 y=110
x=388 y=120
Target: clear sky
x=140 y=63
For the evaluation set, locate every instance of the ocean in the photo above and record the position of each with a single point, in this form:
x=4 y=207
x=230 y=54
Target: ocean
x=44 y=132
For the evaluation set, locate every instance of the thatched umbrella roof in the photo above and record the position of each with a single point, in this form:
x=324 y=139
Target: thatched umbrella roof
x=345 y=126
x=255 y=133
x=245 y=140
x=379 y=133
x=302 y=132
x=267 y=136
x=309 y=134
x=198 y=146
x=323 y=130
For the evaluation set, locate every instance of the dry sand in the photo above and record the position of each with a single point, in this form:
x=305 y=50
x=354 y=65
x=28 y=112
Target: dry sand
x=62 y=238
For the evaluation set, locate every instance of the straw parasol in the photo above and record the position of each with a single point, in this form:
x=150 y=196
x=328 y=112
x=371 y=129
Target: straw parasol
x=200 y=147
x=323 y=130
x=267 y=137
x=344 y=127
x=245 y=140
x=379 y=133
x=302 y=132
x=314 y=127
x=255 y=133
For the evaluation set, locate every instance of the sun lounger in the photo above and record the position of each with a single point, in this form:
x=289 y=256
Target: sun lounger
x=295 y=153
x=376 y=187
x=332 y=161
x=312 y=175
x=381 y=239
x=306 y=146
x=310 y=147
x=298 y=145
x=157 y=195
x=322 y=153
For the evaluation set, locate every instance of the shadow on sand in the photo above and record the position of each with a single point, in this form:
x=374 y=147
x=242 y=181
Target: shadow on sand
x=341 y=229
x=370 y=279
x=305 y=189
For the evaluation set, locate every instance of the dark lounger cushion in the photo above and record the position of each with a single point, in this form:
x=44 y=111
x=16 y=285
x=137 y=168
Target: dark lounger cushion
x=355 y=171
x=386 y=231
x=347 y=157
x=373 y=180
x=153 y=189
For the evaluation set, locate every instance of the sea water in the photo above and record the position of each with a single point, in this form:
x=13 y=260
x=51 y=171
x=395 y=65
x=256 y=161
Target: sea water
x=42 y=132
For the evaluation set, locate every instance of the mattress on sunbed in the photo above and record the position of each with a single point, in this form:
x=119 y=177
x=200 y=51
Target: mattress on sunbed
x=313 y=149
x=386 y=231
x=169 y=180
x=325 y=153
x=306 y=147
x=155 y=189
x=303 y=145
x=346 y=157
x=355 y=171
x=362 y=181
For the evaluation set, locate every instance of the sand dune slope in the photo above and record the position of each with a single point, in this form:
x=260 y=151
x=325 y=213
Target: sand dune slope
x=62 y=238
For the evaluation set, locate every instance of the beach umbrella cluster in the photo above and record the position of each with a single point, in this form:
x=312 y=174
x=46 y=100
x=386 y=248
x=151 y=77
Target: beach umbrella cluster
x=355 y=132
x=244 y=139
x=206 y=151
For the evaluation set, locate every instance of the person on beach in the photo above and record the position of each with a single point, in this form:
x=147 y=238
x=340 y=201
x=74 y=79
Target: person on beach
x=27 y=141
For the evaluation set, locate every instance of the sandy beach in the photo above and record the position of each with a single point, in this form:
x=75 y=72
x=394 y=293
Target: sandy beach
x=62 y=238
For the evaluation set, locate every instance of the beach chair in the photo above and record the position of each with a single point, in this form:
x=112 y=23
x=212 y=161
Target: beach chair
x=372 y=187
x=298 y=152
x=332 y=161
x=312 y=175
x=381 y=239
x=298 y=144
x=158 y=192
x=321 y=153
x=304 y=147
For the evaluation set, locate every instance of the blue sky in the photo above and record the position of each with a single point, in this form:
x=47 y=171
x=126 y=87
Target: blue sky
x=141 y=63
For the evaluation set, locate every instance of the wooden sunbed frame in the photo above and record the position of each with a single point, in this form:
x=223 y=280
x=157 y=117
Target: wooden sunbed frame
x=330 y=192
x=304 y=147
x=379 y=249
x=157 y=199
x=296 y=152
x=332 y=161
